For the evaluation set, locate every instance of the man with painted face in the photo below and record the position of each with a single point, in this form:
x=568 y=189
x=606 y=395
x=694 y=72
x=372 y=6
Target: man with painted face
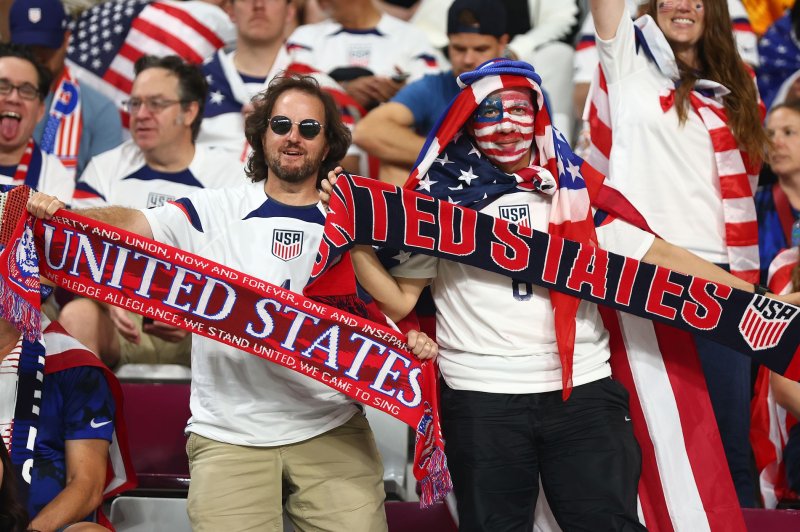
x=520 y=399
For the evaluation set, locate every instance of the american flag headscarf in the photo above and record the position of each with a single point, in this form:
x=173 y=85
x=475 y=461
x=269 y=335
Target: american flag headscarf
x=451 y=168
x=737 y=171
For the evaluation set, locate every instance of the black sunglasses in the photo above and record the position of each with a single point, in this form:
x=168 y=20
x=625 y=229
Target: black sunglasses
x=281 y=125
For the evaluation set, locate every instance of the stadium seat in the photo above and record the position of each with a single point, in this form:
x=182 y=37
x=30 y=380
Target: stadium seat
x=156 y=411
x=149 y=514
x=392 y=437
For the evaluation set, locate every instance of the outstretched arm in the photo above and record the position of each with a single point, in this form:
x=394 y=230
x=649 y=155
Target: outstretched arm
x=664 y=254
x=607 y=14
x=44 y=207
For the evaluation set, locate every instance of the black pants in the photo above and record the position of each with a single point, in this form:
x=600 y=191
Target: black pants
x=498 y=445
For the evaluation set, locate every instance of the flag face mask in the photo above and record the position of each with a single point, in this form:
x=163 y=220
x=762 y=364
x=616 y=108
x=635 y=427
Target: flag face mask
x=503 y=126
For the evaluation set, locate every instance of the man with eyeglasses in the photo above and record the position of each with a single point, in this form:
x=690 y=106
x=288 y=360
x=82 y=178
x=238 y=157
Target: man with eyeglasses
x=258 y=428
x=79 y=122
x=24 y=83
x=159 y=164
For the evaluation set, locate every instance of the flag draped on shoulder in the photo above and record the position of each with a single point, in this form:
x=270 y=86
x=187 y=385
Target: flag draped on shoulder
x=737 y=171
x=108 y=38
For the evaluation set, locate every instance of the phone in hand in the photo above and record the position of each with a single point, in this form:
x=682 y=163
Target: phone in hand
x=400 y=77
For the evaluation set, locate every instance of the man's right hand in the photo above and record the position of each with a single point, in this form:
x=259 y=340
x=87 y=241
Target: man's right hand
x=43 y=206
x=126 y=327
x=326 y=187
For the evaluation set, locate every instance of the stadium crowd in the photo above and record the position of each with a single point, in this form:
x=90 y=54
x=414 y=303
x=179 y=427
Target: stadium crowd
x=667 y=131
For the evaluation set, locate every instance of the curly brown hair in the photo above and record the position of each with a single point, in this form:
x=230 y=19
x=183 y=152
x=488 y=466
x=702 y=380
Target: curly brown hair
x=720 y=62
x=337 y=136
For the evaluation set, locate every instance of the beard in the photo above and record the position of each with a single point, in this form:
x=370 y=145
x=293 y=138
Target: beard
x=308 y=170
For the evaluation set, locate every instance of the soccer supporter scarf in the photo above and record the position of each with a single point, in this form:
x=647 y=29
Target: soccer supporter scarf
x=29 y=169
x=738 y=175
x=366 y=361
x=45 y=349
x=64 y=125
x=779 y=52
x=769 y=422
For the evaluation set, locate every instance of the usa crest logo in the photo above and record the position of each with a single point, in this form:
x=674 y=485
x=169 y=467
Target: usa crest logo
x=154 y=199
x=35 y=14
x=23 y=265
x=287 y=244
x=516 y=214
x=765 y=321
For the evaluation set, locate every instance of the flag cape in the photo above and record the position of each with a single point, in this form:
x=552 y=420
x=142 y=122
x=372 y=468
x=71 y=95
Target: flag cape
x=685 y=483
x=769 y=422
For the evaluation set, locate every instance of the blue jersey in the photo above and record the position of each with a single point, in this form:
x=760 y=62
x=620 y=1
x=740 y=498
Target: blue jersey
x=76 y=405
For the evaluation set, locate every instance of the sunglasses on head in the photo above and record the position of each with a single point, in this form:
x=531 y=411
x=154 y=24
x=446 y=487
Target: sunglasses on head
x=309 y=128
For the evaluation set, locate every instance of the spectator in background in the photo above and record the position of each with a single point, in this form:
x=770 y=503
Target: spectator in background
x=237 y=75
x=778 y=204
x=670 y=152
x=763 y=13
x=536 y=29
x=159 y=164
x=395 y=131
x=68 y=437
x=24 y=84
x=80 y=122
x=370 y=53
x=779 y=54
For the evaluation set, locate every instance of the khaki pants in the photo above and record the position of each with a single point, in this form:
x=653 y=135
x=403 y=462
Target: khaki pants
x=333 y=482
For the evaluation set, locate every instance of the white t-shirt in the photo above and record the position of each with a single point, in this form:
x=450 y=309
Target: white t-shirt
x=327 y=46
x=121 y=177
x=237 y=397
x=667 y=171
x=50 y=177
x=496 y=334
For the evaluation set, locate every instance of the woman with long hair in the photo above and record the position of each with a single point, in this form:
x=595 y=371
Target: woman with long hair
x=13 y=517
x=677 y=127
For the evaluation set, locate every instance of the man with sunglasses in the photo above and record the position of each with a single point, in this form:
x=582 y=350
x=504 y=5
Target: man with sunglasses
x=24 y=83
x=258 y=429
x=159 y=164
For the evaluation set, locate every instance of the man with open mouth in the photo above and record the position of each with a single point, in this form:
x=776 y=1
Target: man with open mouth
x=24 y=83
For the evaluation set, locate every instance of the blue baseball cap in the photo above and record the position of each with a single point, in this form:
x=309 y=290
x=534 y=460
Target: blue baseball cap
x=38 y=22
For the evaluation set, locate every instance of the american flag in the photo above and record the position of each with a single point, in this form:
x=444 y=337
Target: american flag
x=780 y=58
x=769 y=422
x=108 y=39
x=685 y=483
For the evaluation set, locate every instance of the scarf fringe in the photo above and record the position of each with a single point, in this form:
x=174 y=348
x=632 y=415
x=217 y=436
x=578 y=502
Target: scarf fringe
x=19 y=312
x=437 y=483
